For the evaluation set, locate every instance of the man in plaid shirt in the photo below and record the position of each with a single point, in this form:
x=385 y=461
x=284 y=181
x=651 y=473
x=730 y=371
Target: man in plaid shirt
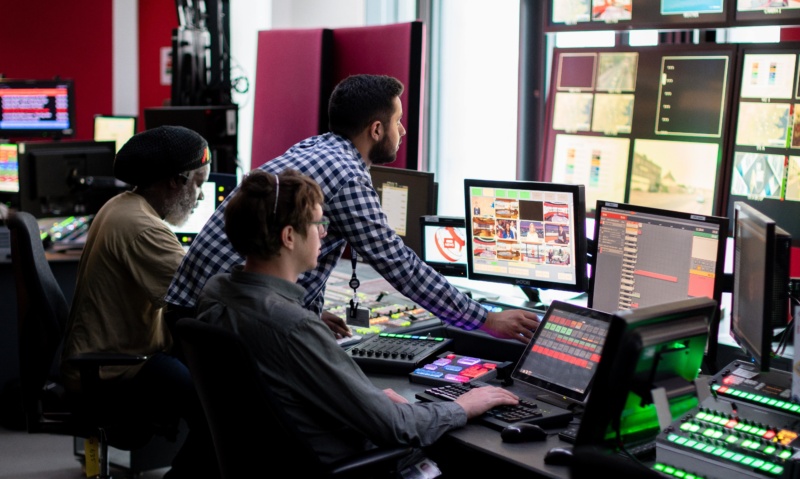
x=364 y=113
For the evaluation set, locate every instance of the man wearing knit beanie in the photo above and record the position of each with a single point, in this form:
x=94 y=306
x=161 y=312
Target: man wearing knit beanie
x=130 y=257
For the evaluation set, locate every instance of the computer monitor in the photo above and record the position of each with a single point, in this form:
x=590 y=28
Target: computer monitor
x=215 y=190
x=760 y=299
x=36 y=108
x=531 y=234
x=66 y=178
x=405 y=195
x=444 y=244
x=651 y=357
x=645 y=256
x=116 y=128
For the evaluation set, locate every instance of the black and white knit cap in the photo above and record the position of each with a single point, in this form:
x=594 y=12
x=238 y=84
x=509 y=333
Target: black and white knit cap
x=160 y=153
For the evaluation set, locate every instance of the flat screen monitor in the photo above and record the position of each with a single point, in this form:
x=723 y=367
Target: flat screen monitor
x=760 y=282
x=585 y=15
x=66 y=178
x=405 y=196
x=9 y=175
x=444 y=244
x=115 y=128
x=641 y=125
x=37 y=109
x=764 y=168
x=215 y=190
x=651 y=355
x=646 y=256
x=766 y=12
x=527 y=233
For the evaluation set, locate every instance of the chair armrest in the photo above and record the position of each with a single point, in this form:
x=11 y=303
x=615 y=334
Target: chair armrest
x=369 y=462
x=105 y=359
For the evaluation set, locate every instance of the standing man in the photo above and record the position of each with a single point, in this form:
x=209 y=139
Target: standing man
x=365 y=116
x=127 y=264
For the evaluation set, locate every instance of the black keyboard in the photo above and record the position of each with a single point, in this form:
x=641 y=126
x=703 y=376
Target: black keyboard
x=499 y=417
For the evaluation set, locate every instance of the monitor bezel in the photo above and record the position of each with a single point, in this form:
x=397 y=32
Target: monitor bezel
x=581 y=282
x=34 y=133
x=720 y=221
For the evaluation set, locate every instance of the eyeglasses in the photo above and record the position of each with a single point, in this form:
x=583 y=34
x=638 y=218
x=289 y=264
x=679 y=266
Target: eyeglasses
x=322 y=226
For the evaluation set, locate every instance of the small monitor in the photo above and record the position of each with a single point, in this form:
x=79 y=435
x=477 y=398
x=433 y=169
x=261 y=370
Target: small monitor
x=37 y=109
x=114 y=128
x=646 y=256
x=215 y=190
x=651 y=356
x=405 y=196
x=444 y=244
x=760 y=282
x=9 y=169
x=527 y=233
x=66 y=178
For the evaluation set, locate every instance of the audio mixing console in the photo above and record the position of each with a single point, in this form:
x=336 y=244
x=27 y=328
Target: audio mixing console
x=396 y=353
x=747 y=428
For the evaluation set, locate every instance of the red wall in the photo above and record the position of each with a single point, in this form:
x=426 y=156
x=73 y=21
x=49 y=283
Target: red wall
x=67 y=39
x=157 y=19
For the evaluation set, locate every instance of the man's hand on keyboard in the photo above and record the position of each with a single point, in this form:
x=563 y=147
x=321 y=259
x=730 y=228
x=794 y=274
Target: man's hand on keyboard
x=511 y=324
x=479 y=400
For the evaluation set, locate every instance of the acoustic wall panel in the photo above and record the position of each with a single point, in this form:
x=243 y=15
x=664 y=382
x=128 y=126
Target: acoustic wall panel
x=293 y=83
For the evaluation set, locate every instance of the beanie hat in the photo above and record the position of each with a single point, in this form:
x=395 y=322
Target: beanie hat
x=160 y=153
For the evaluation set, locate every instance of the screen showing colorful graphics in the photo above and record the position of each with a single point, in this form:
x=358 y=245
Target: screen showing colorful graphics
x=646 y=256
x=9 y=168
x=581 y=15
x=641 y=125
x=444 y=244
x=36 y=108
x=765 y=167
x=526 y=233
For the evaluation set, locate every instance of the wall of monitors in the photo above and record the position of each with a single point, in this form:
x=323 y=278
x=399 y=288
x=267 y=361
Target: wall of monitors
x=646 y=125
x=764 y=170
x=584 y=15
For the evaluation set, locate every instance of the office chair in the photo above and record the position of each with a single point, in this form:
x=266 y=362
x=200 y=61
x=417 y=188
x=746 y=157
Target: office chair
x=42 y=316
x=253 y=435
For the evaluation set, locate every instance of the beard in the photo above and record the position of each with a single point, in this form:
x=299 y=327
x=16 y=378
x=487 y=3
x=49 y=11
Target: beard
x=179 y=207
x=383 y=152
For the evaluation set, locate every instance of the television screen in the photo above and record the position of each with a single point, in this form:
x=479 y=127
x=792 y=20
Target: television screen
x=760 y=282
x=530 y=234
x=37 y=108
x=405 y=196
x=9 y=176
x=647 y=256
x=66 y=178
x=444 y=244
x=114 y=128
x=585 y=15
x=766 y=12
x=764 y=169
x=643 y=125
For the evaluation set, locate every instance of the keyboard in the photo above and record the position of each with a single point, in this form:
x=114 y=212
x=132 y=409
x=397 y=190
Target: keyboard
x=499 y=417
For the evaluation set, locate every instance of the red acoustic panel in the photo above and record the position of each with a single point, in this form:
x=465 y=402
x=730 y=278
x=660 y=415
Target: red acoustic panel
x=396 y=50
x=291 y=90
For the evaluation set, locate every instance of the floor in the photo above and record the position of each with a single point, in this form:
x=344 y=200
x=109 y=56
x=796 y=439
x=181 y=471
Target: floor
x=46 y=456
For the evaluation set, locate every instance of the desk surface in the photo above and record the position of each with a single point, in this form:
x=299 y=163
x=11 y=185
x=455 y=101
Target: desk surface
x=528 y=457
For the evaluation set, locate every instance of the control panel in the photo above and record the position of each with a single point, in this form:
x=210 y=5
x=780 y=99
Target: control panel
x=396 y=353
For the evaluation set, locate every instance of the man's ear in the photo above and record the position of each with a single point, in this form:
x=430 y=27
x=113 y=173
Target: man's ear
x=288 y=237
x=376 y=130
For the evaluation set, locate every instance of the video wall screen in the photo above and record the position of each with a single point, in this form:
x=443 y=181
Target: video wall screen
x=764 y=170
x=646 y=125
x=766 y=12
x=584 y=15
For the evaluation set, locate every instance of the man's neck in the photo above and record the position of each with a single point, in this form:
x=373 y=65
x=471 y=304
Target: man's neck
x=276 y=267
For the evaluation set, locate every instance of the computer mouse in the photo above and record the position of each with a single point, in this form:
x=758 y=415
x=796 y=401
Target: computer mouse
x=558 y=456
x=523 y=432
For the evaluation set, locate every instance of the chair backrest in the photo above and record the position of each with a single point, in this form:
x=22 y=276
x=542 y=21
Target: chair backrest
x=247 y=421
x=42 y=312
